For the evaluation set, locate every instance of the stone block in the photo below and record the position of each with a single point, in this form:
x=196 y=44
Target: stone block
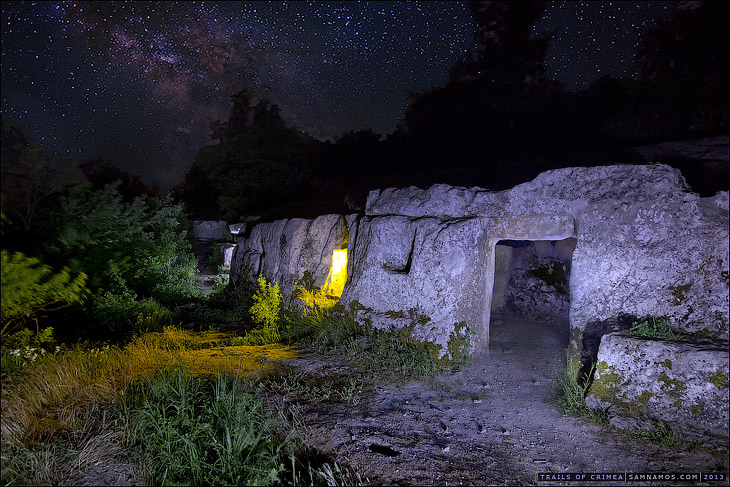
x=684 y=384
x=210 y=230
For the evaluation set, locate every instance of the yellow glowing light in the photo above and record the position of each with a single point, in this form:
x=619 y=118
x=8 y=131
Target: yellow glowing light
x=338 y=273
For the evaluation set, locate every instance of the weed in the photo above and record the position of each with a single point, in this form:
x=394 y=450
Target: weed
x=656 y=328
x=310 y=389
x=265 y=311
x=571 y=392
x=660 y=433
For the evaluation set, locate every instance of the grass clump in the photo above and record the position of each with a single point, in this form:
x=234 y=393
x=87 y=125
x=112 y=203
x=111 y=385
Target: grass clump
x=656 y=328
x=194 y=431
x=383 y=354
x=311 y=389
x=660 y=433
x=571 y=392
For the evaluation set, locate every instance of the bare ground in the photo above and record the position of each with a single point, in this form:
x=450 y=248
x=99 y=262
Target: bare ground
x=491 y=424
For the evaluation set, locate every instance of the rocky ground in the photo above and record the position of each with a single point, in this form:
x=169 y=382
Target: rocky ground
x=492 y=423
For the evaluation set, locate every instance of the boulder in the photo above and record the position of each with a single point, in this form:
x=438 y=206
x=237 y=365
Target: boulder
x=210 y=230
x=683 y=384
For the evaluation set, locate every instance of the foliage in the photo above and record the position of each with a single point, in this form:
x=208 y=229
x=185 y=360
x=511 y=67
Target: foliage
x=30 y=289
x=311 y=389
x=258 y=162
x=23 y=348
x=571 y=391
x=656 y=328
x=266 y=307
x=314 y=297
x=126 y=247
x=383 y=354
x=194 y=432
x=125 y=313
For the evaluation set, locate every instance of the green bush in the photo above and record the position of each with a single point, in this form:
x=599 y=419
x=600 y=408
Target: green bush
x=190 y=431
x=124 y=313
x=125 y=247
x=265 y=311
x=30 y=289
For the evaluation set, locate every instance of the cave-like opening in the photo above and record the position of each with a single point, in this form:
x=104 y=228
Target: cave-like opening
x=531 y=293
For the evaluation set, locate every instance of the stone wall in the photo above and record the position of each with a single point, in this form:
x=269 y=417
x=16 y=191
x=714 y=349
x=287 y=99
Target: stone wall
x=284 y=250
x=646 y=246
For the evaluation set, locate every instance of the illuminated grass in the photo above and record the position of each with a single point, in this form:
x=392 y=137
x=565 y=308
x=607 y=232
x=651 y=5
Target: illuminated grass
x=50 y=396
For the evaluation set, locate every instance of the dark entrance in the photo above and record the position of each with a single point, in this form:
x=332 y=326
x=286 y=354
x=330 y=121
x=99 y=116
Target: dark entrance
x=531 y=290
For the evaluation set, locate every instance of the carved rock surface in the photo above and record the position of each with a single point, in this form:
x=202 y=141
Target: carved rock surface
x=645 y=246
x=284 y=250
x=682 y=384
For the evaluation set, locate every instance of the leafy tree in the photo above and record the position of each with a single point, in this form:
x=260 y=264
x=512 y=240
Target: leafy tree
x=136 y=247
x=30 y=289
x=257 y=163
x=100 y=173
x=507 y=58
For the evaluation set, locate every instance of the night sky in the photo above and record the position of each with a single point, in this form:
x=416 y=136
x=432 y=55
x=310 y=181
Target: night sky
x=137 y=83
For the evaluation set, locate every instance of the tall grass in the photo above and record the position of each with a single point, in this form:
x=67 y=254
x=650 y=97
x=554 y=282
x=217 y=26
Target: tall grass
x=571 y=391
x=194 y=431
x=51 y=397
x=383 y=355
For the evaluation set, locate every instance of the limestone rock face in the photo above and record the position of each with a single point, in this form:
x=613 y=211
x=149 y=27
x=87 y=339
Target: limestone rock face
x=645 y=246
x=284 y=250
x=538 y=284
x=682 y=384
x=424 y=266
x=210 y=230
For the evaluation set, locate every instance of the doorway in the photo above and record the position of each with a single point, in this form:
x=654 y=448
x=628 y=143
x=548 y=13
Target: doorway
x=531 y=293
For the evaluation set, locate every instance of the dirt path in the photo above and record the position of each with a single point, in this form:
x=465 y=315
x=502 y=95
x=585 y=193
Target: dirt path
x=489 y=424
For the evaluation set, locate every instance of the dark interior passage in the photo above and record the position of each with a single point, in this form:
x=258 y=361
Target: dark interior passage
x=531 y=284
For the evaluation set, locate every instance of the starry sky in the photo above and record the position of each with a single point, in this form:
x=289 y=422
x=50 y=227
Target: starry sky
x=137 y=83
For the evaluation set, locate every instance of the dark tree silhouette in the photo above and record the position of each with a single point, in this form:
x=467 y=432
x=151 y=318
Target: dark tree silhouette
x=507 y=57
x=258 y=162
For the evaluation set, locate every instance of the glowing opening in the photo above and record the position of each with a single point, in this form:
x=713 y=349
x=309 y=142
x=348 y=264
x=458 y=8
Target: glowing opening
x=338 y=273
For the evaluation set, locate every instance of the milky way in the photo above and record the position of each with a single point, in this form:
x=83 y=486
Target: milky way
x=137 y=83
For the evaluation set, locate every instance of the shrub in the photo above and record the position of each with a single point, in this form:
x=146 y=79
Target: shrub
x=124 y=313
x=30 y=289
x=124 y=247
x=265 y=311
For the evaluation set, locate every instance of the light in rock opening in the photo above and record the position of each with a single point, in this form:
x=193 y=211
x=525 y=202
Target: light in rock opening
x=338 y=273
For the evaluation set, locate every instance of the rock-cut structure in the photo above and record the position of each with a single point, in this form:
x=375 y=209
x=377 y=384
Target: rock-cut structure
x=645 y=246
